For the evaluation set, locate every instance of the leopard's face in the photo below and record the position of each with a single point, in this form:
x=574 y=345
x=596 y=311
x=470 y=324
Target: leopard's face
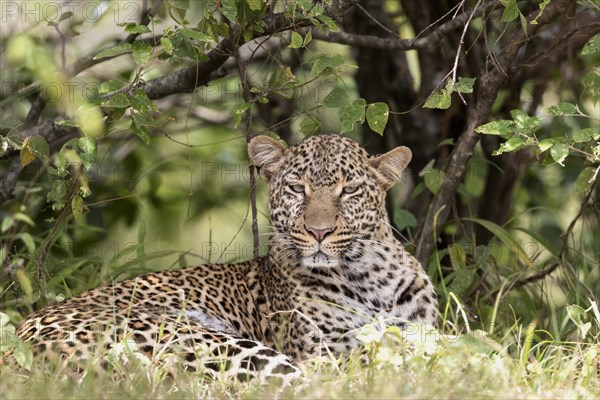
x=326 y=196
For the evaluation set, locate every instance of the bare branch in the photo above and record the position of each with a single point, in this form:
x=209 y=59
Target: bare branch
x=243 y=71
x=426 y=42
x=460 y=45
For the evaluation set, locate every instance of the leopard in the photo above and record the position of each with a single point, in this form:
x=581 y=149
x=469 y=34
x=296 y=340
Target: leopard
x=333 y=265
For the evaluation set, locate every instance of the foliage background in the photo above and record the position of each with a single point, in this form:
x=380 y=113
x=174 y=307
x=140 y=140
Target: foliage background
x=124 y=129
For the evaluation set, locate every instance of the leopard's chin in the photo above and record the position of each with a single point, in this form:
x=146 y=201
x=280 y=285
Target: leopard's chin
x=320 y=259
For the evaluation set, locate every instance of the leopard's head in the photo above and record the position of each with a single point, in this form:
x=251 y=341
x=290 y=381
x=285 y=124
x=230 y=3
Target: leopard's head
x=326 y=195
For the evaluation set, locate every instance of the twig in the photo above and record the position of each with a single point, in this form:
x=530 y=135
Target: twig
x=453 y=9
x=460 y=44
x=416 y=43
x=379 y=24
x=248 y=121
x=561 y=255
x=46 y=247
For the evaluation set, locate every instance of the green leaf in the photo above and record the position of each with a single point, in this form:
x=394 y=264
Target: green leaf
x=433 y=179
x=137 y=28
x=198 y=36
x=498 y=127
x=27 y=240
x=567 y=108
x=559 y=152
x=4 y=320
x=519 y=116
x=523 y=21
x=77 y=207
x=57 y=195
x=511 y=144
x=26 y=157
x=119 y=100
x=511 y=11
x=542 y=6
x=369 y=334
x=584 y=180
x=88 y=151
x=440 y=99
x=337 y=98
x=24 y=356
x=141 y=52
x=463 y=280
x=11 y=122
x=7 y=223
x=505 y=237
x=307 y=38
x=140 y=101
x=592 y=46
x=19 y=216
x=110 y=86
x=562 y=109
x=305 y=5
x=545 y=144
x=524 y=122
x=446 y=142
x=139 y=129
x=238 y=112
x=296 y=40
x=323 y=62
x=254 y=5
x=167 y=45
x=591 y=85
x=465 y=85
x=141 y=118
x=377 y=116
x=351 y=114
x=578 y=315
x=541 y=240
x=114 y=51
x=328 y=21
x=229 y=10
x=404 y=219
x=38 y=146
x=309 y=126
x=583 y=135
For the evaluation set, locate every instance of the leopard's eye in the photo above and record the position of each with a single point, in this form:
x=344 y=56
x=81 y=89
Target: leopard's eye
x=297 y=188
x=350 y=189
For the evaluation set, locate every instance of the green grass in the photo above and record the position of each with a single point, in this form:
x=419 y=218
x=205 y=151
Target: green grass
x=418 y=363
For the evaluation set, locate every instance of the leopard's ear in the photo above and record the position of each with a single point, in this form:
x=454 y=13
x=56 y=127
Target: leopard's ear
x=265 y=153
x=389 y=166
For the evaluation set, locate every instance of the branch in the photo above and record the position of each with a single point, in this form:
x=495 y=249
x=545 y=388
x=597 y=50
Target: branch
x=185 y=80
x=427 y=42
x=585 y=204
x=248 y=120
x=490 y=81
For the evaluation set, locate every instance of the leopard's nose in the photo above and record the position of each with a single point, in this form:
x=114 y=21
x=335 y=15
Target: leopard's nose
x=319 y=233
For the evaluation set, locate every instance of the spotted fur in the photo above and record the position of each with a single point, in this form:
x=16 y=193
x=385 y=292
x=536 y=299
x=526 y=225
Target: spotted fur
x=333 y=265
